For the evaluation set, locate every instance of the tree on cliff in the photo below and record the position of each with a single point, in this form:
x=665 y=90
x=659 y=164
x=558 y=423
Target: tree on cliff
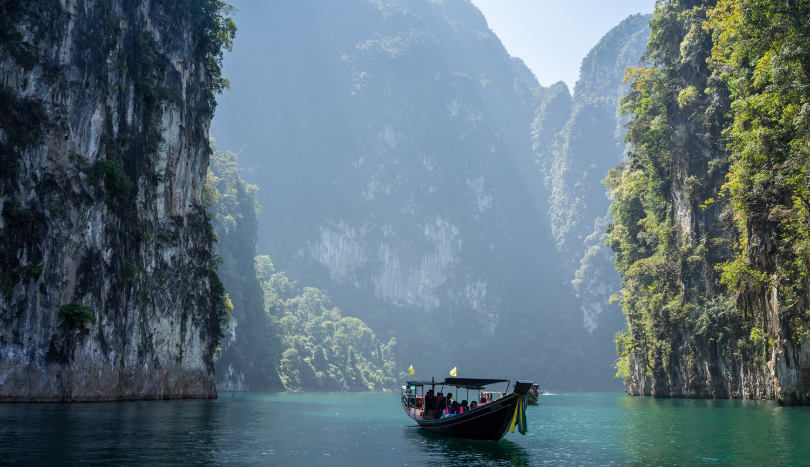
x=282 y=336
x=324 y=350
x=762 y=53
x=250 y=346
x=710 y=213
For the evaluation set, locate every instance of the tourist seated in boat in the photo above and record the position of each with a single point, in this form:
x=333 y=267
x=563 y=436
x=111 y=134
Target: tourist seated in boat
x=449 y=399
x=464 y=407
x=450 y=410
x=473 y=405
x=483 y=399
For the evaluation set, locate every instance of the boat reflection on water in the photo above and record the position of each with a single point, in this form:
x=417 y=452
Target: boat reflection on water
x=459 y=451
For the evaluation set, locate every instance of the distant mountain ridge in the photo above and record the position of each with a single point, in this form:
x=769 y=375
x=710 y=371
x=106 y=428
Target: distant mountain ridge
x=575 y=158
x=393 y=148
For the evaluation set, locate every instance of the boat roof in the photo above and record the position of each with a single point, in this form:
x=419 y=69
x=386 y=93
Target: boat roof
x=421 y=383
x=466 y=383
x=472 y=383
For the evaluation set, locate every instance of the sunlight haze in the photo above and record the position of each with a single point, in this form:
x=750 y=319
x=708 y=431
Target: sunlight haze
x=404 y=232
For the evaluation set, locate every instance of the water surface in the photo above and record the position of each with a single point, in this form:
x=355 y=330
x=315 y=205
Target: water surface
x=371 y=429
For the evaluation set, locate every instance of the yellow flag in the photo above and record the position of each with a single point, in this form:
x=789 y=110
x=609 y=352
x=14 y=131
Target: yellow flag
x=410 y=369
x=453 y=372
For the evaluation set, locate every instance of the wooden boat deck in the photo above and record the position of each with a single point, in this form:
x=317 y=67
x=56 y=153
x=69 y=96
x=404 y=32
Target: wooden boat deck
x=489 y=421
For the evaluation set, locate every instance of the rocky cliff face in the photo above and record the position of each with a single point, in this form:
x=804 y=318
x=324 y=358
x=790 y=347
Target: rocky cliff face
x=708 y=257
x=250 y=348
x=108 y=285
x=577 y=140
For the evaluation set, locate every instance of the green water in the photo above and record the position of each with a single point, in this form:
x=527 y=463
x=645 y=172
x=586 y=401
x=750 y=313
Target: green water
x=371 y=429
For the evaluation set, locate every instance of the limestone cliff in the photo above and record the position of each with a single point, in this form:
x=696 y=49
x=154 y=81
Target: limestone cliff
x=577 y=140
x=709 y=229
x=109 y=290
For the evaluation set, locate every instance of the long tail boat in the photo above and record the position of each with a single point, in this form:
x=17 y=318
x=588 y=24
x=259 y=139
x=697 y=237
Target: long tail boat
x=534 y=394
x=489 y=421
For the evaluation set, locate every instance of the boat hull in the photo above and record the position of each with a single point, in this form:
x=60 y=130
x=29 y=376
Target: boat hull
x=487 y=422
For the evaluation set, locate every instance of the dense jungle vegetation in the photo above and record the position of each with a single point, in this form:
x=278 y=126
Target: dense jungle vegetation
x=710 y=220
x=283 y=336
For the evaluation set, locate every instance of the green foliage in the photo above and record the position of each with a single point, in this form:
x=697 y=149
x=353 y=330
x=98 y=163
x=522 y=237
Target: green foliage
x=624 y=347
x=675 y=113
x=215 y=31
x=150 y=75
x=761 y=51
x=210 y=195
x=76 y=314
x=303 y=341
x=227 y=192
x=737 y=273
x=324 y=350
x=111 y=176
x=250 y=345
x=687 y=96
x=733 y=79
x=130 y=272
x=220 y=301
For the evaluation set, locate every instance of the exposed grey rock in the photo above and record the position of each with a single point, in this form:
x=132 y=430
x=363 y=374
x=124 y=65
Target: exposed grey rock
x=577 y=140
x=103 y=141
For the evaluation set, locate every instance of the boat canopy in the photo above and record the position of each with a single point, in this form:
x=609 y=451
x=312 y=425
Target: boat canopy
x=466 y=383
x=472 y=383
x=422 y=383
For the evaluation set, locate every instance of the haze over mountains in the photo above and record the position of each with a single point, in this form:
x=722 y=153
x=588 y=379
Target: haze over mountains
x=401 y=191
x=409 y=166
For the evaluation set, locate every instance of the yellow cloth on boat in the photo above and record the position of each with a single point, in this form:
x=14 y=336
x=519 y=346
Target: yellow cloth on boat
x=519 y=417
x=410 y=369
x=453 y=372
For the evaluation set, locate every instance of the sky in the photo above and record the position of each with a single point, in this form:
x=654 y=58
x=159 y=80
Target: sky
x=553 y=36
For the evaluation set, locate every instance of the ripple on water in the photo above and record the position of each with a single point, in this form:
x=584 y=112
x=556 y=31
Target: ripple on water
x=352 y=429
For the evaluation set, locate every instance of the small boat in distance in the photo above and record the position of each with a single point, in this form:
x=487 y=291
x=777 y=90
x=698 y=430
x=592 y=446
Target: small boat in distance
x=488 y=421
x=534 y=394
